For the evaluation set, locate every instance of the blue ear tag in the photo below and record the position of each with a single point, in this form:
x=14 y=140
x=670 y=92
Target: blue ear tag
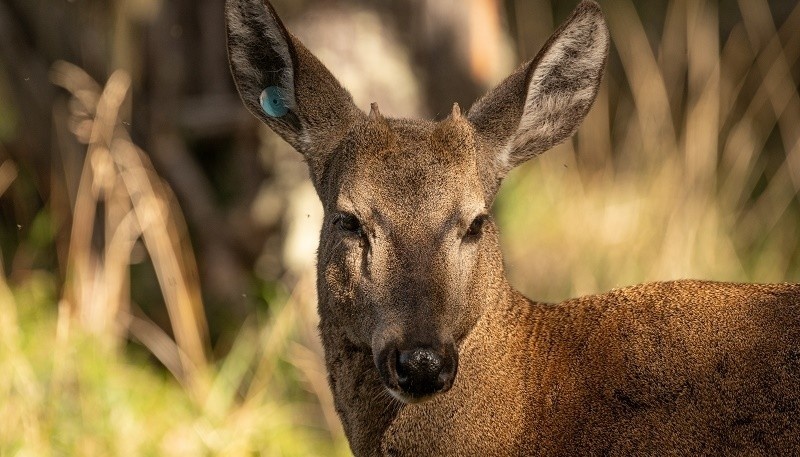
x=273 y=102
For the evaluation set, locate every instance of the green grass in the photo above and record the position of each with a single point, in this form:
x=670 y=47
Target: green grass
x=67 y=393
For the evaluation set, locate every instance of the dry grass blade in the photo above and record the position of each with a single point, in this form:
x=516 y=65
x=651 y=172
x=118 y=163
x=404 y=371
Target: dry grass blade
x=157 y=225
x=308 y=357
x=778 y=92
x=646 y=80
x=87 y=291
x=775 y=68
x=701 y=125
x=137 y=205
x=158 y=343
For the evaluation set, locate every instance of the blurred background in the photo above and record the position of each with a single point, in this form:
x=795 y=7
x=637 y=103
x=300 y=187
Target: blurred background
x=157 y=244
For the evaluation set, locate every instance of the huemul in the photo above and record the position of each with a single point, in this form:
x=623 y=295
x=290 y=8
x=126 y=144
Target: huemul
x=429 y=350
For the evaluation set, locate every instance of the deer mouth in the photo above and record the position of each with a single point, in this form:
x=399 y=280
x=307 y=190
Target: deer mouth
x=417 y=374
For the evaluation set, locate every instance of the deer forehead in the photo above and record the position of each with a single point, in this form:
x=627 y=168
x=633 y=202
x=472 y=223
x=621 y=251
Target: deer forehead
x=406 y=169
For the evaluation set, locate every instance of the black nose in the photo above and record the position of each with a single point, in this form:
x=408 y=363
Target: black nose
x=423 y=371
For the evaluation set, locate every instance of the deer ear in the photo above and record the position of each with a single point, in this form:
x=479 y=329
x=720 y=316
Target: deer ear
x=283 y=84
x=545 y=100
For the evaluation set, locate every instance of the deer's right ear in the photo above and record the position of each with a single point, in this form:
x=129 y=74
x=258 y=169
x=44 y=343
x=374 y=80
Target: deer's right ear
x=283 y=84
x=544 y=102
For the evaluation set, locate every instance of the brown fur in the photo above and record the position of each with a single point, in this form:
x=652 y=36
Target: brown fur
x=685 y=367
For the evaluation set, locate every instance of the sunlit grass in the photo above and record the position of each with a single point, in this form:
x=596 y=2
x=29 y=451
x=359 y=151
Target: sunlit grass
x=74 y=395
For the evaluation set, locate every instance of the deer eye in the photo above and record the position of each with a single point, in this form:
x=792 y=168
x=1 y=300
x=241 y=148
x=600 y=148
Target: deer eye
x=348 y=223
x=476 y=228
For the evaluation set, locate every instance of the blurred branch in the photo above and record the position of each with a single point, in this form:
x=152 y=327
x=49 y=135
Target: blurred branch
x=119 y=186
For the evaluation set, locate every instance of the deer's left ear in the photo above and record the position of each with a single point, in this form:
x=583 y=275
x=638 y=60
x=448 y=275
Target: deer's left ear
x=544 y=101
x=283 y=84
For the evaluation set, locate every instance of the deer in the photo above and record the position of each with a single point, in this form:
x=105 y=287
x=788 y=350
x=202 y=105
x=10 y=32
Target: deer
x=429 y=349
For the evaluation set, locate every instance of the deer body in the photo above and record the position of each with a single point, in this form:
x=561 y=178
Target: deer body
x=431 y=352
x=599 y=376
x=684 y=368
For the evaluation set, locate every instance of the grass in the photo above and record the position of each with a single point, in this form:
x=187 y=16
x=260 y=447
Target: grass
x=65 y=392
x=73 y=384
x=688 y=166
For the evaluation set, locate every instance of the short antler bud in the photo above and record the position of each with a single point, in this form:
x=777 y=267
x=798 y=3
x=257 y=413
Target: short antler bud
x=375 y=113
x=456 y=111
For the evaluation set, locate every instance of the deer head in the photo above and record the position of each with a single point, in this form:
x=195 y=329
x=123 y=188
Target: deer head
x=408 y=258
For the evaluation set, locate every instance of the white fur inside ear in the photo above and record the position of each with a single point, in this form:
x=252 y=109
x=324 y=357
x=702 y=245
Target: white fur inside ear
x=562 y=87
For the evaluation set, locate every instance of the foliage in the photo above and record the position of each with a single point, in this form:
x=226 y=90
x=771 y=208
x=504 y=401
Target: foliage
x=688 y=165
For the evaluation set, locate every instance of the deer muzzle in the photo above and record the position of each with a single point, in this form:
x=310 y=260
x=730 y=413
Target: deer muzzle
x=415 y=374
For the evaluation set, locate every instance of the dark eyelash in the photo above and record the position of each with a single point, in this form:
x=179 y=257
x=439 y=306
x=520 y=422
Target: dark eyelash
x=475 y=229
x=348 y=223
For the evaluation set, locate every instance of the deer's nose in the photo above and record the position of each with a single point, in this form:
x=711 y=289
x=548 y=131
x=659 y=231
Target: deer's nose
x=423 y=371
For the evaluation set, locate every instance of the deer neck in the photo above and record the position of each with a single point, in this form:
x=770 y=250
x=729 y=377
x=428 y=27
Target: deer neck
x=363 y=404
